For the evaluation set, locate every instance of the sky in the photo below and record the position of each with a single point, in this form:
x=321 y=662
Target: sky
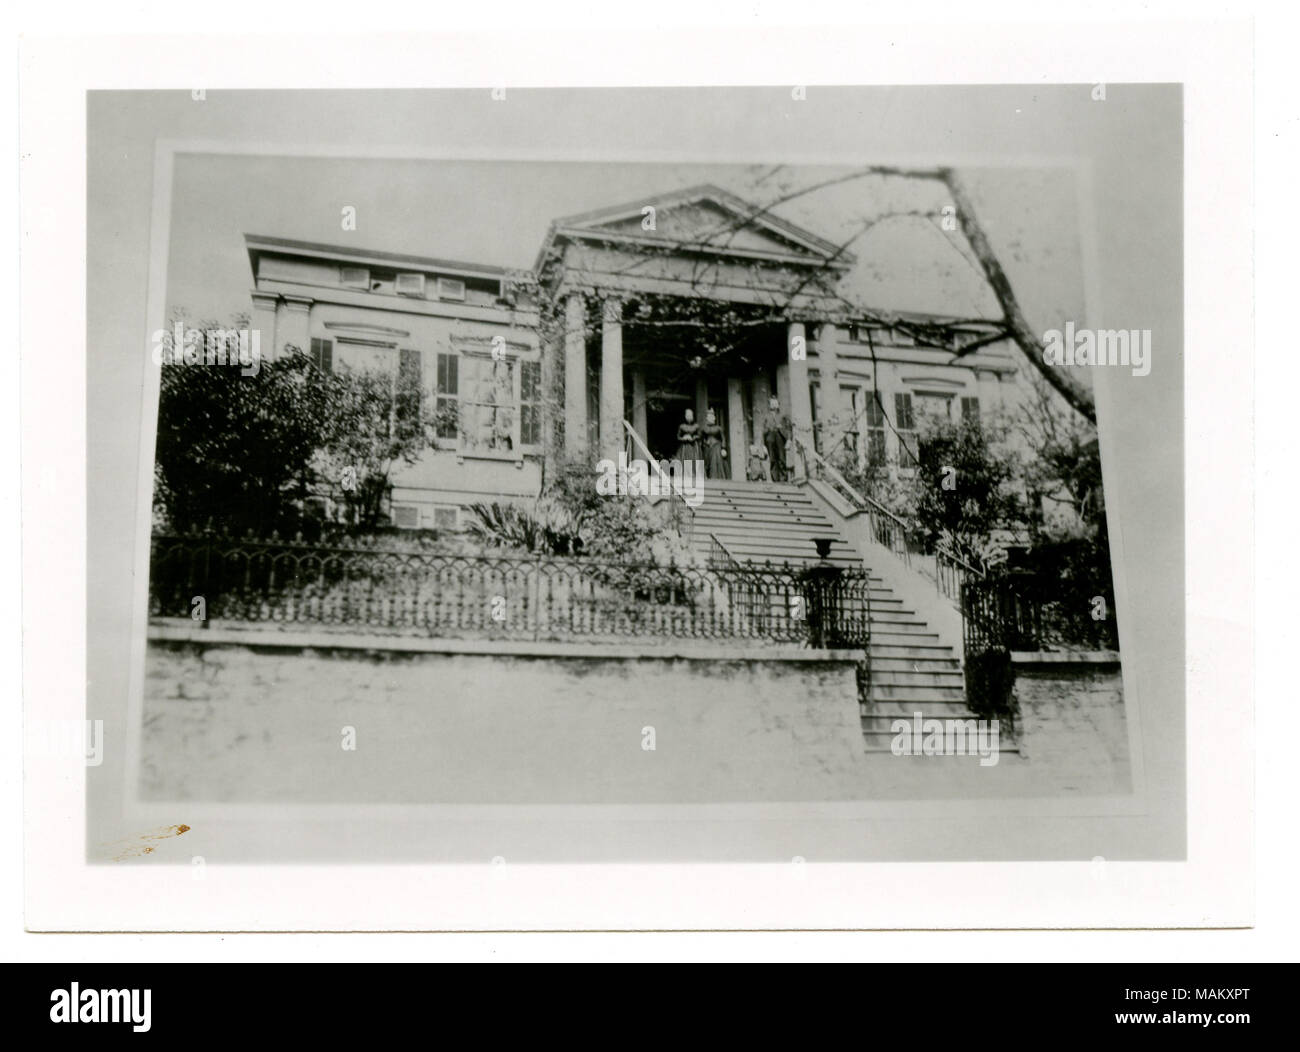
x=497 y=212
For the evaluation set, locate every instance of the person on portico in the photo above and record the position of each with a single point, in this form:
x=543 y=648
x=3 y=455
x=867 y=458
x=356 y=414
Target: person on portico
x=715 y=453
x=688 y=439
x=775 y=431
x=692 y=307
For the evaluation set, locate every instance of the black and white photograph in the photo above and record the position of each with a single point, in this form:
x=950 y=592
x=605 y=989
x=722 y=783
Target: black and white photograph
x=767 y=496
x=483 y=481
x=640 y=483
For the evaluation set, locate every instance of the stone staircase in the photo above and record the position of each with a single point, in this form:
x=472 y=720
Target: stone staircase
x=773 y=522
x=911 y=669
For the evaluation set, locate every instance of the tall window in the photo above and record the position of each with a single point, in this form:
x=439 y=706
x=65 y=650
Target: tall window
x=815 y=401
x=409 y=385
x=874 y=417
x=905 y=424
x=447 y=401
x=530 y=403
x=850 y=398
x=970 y=411
x=487 y=404
x=322 y=353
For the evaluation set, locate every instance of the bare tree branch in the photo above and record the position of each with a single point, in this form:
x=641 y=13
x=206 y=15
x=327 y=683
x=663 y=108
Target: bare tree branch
x=1079 y=397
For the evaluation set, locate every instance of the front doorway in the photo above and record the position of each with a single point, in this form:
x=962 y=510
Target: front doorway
x=664 y=411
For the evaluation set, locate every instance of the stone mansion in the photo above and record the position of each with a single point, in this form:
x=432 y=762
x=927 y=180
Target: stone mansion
x=634 y=313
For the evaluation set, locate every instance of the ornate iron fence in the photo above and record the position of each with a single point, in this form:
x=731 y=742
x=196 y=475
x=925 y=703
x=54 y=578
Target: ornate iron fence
x=1019 y=611
x=533 y=597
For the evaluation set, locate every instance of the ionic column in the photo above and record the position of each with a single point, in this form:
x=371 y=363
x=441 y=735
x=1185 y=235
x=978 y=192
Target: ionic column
x=800 y=400
x=836 y=420
x=738 y=455
x=611 y=379
x=760 y=393
x=638 y=404
x=575 y=376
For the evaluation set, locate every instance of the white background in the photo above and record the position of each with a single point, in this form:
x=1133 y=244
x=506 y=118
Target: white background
x=54 y=486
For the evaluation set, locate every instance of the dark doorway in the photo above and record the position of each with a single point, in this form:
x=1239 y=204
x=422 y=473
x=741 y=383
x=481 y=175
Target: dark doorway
x=664 y=411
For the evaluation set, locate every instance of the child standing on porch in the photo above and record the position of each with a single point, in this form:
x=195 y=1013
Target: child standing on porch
x=758 y=468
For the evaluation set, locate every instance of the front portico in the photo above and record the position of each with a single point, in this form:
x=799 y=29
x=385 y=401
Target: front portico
x=688 y=300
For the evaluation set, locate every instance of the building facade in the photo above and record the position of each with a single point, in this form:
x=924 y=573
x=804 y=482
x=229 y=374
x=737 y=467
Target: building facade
x=630 y=315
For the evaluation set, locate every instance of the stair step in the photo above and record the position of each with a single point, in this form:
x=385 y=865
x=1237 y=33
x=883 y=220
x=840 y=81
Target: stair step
x=751 y=497
x=875 y=746
x=757 y=497
x=800 y=546
x=757 y=486
x=921 y=638
x=906 y=710
x=774 y=523
x=910 y=694
x=793 y=525
x=914 y=664
x=901 y=650
x=800 y=539
x=936 y=678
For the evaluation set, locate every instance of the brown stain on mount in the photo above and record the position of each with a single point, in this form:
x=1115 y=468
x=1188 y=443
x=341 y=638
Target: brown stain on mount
x=134 y=847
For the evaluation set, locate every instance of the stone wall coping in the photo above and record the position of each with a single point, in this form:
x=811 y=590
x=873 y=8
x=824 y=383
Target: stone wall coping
x=183 y=632
x=1065 y=657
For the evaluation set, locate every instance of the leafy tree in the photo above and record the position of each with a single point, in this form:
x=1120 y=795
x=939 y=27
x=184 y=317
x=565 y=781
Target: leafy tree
x=621 y=528
x=1064 y=474
x=967 y=480
x=377 y=421
x=233 y=447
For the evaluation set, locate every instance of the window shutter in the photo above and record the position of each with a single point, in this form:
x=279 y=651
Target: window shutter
x=903 y=411
x=446 y=403
x=530 y=410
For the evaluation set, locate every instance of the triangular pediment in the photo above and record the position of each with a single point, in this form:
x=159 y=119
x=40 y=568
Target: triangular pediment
x=706 y=219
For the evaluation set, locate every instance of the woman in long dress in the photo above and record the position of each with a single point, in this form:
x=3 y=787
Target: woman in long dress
x=715 y=453
x=688 y=440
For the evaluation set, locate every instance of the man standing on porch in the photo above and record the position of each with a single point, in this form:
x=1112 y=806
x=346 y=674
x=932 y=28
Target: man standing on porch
x=774 y=440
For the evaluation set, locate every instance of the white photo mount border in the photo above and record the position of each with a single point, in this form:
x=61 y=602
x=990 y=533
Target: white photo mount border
x=172 y=906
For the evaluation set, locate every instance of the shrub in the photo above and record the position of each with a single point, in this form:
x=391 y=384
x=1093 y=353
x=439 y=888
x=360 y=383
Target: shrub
x=990 y=688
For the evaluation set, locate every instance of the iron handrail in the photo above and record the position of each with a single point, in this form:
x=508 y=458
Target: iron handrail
x=665 y=480
x=838 y=478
